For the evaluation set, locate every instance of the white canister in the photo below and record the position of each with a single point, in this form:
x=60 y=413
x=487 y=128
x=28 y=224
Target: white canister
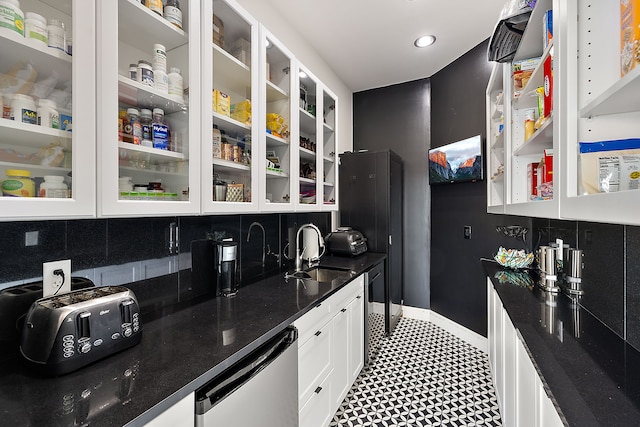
x=35 y=27
x=159 y=61
x=161 y=81
x=48 y=115
x=54 y=186
x=176 y=84
x=56 y=33
x=11 y=16
x=23 y=109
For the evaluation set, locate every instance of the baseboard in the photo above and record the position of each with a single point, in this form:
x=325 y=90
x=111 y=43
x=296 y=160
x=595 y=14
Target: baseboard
x=465 y=334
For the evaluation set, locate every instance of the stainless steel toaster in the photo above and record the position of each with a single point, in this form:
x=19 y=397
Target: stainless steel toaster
x=346 y=242
x=66 y=332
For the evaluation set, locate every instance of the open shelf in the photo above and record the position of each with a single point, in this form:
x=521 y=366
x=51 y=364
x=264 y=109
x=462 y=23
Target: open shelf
x=136 y=94
x=541 y=139
x=46 y=60
x=35 y=136
x=228 y=164
x=155 y=154
x=620 y=97
x=141 y=27
x=235 y=75
x=307 y=154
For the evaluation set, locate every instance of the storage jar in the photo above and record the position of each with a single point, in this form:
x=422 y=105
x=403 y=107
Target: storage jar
x=23 y=109
x=53 y=187
x=18 y=183
x=35 y=27
x=57 y=34
x=11 y=16
x=48 y=114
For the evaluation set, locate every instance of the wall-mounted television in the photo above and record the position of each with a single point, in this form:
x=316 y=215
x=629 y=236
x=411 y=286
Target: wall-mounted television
x=459 y=161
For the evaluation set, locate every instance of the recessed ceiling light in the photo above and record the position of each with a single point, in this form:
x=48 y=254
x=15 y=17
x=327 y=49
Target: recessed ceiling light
x=302 y=74
x=424 y=41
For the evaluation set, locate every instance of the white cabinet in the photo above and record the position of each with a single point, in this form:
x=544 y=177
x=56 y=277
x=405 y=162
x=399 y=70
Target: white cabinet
x=129 y=32
x=179 y=415
x=230 y=103
x=330 y=353
x=31 y=67
x=522 y=398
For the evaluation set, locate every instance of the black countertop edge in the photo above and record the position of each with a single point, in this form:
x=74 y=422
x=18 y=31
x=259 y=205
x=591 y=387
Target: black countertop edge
x=589 y=372
x=180 y=351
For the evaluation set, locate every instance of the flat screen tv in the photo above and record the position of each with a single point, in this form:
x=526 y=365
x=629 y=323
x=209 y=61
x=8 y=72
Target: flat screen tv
x=459 y=161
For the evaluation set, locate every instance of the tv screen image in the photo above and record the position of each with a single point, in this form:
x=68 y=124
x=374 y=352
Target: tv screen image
x=460 y=161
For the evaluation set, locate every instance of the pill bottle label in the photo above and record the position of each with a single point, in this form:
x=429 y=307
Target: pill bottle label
x=36 y=30
x=18 y=187
x=145 y=76
x=173 y=15
x=160 y=136
x=56 y=37
x=28 y=116
x=49 y=119
x=11 y=18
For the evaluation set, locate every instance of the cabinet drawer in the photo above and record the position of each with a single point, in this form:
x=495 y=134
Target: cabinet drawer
x=314 y=362
x=317 y=411
x=312 y=321
x=344 y=296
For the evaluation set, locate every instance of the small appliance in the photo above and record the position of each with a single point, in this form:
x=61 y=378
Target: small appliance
x=346 y=242
x=65 y=332
x=226 y=268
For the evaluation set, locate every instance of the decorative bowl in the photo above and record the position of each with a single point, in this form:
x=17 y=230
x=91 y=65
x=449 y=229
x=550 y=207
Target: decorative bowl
x=513 y=258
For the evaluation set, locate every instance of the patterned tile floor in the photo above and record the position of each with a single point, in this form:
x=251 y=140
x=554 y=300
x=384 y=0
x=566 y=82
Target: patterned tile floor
x=422 y=376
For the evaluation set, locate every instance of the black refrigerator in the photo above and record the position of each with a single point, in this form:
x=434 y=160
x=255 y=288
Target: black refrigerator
x=370 y=196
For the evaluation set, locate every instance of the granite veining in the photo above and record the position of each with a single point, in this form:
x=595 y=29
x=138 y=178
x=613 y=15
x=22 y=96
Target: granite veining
x=592 y=375
x=183 y=346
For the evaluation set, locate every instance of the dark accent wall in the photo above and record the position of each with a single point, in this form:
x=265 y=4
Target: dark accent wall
x=397 y=118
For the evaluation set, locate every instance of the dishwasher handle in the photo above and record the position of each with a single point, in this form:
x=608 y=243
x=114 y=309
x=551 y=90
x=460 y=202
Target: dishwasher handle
x=240 y=373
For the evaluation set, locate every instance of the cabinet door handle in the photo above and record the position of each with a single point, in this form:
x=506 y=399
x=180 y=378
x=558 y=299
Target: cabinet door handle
x=343 y=310
x=318 y=333
x=359 y=296
x=318 y=390
x=318 y=305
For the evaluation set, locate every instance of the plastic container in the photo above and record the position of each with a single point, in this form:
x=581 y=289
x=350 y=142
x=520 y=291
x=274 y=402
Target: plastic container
x=160 y=130
x=48 y=115
x=57 y=34
x=161 y=81
x=159 y=61
x=147 y=127
x=136 y=126
x=176 y=84
x=133 y=71
x=529 y=122
x=23 y=109
x=172 y=13
x=18 y=184
x=11 y=16
x=53 y=187
x=144 y=73
x=35 y=28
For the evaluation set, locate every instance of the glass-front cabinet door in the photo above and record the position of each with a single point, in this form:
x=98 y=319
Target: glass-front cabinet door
x=47 y=127
x=309 y=168
x=276 y=115
x=148 y=107
x=230 y=91
x=329 y=150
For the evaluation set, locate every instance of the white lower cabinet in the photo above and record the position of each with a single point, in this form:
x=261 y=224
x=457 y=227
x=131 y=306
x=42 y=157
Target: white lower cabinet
x=521 y=396
x=330 y=353
x=179 y=415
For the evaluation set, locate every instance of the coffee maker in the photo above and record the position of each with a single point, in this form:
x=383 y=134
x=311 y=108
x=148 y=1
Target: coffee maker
x=226 y=267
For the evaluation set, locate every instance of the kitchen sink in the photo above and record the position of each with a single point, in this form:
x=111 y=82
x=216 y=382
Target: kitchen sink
x=321 y=274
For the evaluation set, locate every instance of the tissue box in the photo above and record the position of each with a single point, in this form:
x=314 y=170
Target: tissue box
x=221 y=103
x=629 y=35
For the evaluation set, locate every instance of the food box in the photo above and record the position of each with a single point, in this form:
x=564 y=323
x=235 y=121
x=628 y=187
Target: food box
x=609 y=166
x=522 y=71
x=547 y=106
x=221 y=103
x=532 y=180
x=547 y=27
x=547 y=171
x=218 y=31
x=629 y=35
x=235 y=192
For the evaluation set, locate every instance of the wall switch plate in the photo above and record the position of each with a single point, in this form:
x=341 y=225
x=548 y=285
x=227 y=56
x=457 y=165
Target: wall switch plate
x=31 y=238
x=56 y=277
x=467 y=232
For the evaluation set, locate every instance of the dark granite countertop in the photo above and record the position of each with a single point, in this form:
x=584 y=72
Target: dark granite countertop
x=592 y=375
x=181 y=349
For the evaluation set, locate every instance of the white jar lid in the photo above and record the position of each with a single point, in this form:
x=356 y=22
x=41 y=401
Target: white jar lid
x=54 y=178
x=47 y=103
x=21 y=96
x=133 y=111
x=36 y=16
x=174 y=70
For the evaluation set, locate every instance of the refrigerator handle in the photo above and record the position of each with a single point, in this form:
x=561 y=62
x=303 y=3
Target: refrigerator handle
x=390 y=242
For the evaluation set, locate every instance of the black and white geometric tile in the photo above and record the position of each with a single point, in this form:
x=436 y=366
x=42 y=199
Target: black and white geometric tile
x=422 y=376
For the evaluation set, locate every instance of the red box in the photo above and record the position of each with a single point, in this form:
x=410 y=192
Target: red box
x=532 y=180
x=548 y=86
x=547 y=170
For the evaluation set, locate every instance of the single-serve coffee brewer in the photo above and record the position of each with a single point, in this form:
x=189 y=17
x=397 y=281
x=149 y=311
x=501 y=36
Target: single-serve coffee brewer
x=226 y=267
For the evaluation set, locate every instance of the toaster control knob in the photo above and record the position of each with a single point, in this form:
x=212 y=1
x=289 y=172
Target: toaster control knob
x=85 y=347
x=82 y=323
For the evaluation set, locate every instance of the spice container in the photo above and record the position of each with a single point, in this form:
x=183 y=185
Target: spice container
x=23 y=109
x=172 y=13
x=35 y=28
x=18 y=184
x=48 y=114
x=11 y=16
x=56 y=34
x=53 y=186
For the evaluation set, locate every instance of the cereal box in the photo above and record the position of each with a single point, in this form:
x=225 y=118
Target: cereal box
x=522 y=71
x=629 y=35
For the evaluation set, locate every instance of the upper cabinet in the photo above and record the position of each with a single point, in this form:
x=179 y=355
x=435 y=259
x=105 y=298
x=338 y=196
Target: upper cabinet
x=47 y=87
x=278 y=116
x=329 y=154
x=149 y=124
x=230 y=108
x=309 y=195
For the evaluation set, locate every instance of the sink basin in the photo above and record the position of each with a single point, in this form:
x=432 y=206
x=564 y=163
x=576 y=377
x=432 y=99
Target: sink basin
x=321 y=274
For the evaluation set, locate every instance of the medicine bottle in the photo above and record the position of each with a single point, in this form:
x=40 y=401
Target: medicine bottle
x=160 y=130
x=176 y=84
x=56 y=34
x=53 y=186
x=155 y=5
x=147 y=127
x=172 y=13
x=11 y=16
x=144 y=73
x=23 y=109
x=133 y=71
x=48 y=114
x=136 y=126
x=35 y=27
x=18 y=183
x=159 y=58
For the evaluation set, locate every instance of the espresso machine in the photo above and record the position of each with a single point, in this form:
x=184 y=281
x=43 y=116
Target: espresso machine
x=226 y=263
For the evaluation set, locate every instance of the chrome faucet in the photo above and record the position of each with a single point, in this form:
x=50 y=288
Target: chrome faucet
x=300 y=252
x=264 y=239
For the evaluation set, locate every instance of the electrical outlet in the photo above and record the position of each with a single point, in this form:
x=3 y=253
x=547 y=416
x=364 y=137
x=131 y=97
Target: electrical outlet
x=56 y=277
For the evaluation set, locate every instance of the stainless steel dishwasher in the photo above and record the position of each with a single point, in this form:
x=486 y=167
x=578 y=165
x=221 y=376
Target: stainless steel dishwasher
x=259 y=390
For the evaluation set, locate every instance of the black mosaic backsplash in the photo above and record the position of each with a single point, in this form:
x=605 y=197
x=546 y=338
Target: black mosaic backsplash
x=611 y=274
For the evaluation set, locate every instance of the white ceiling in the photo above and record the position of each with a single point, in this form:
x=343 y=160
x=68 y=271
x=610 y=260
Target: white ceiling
x=369 y=43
